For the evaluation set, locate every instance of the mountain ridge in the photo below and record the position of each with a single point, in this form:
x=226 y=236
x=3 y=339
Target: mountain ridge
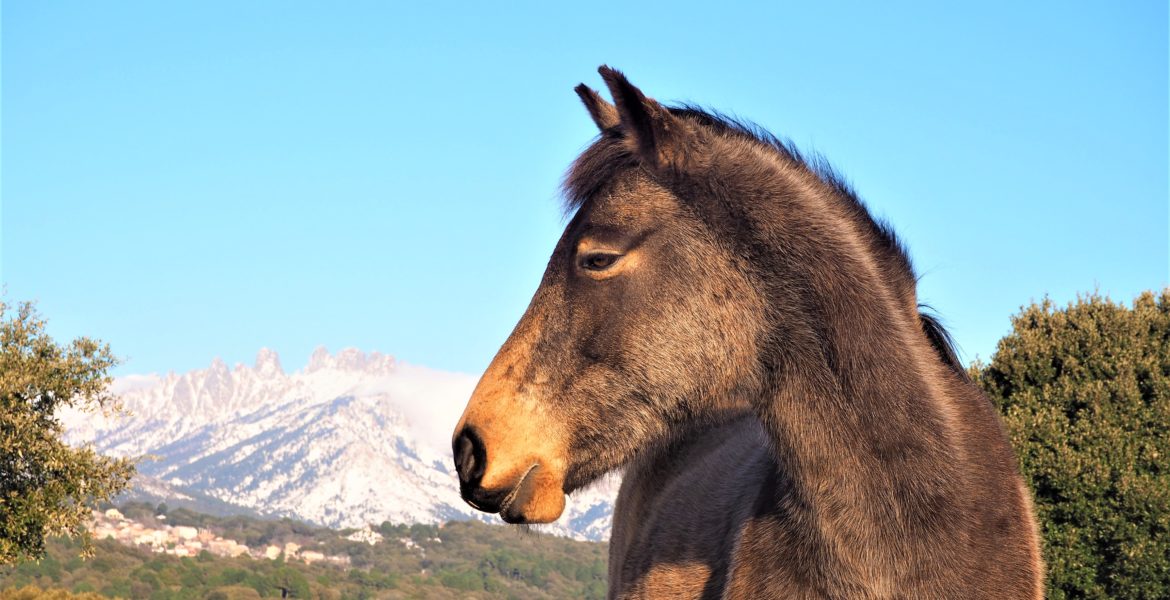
x=351 y=439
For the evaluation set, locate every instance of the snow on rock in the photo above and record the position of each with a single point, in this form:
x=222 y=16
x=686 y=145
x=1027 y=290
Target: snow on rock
x=352 y=439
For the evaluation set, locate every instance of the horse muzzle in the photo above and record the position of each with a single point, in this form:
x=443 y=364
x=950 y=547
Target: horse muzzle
x=530 y=492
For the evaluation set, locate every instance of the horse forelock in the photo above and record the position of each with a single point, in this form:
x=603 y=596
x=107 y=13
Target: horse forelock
x=595 y=168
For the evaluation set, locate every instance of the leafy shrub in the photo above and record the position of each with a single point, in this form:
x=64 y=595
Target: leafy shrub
x=1085 y=394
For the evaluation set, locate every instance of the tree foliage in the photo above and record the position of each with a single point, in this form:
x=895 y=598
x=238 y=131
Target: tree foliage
x=47 y=486
x=1085 y=394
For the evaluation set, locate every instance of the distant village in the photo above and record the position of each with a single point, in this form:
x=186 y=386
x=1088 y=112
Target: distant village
x=182 y=540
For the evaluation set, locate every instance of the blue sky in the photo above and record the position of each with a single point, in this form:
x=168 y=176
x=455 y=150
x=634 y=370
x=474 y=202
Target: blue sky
x=199 y=179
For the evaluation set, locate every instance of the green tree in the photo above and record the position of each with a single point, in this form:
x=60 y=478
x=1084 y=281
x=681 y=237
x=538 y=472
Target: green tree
x=46 y=486
x=1085 y=393
x=290 y=582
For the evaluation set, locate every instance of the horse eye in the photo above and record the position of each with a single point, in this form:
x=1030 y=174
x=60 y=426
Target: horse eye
x=599 y=261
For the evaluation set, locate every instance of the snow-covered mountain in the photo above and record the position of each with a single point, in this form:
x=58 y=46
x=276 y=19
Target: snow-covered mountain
x=353 y=438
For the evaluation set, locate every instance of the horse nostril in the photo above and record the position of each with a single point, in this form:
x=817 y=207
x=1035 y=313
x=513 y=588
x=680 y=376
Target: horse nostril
x=470 y=458
x=464 y=460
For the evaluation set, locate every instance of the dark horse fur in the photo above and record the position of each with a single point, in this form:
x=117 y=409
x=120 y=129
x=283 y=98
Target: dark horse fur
x=724 y=319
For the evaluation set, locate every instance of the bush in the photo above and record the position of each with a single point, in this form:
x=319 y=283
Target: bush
x=1085 y=394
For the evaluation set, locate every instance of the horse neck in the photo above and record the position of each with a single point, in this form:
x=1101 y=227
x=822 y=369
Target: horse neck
x=855 y=399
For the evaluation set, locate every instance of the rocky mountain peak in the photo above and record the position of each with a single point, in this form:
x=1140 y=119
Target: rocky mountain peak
x=267 y=363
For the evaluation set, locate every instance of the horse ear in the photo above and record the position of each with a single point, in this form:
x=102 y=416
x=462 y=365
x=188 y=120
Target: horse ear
x=657 y=135
x=603 y=113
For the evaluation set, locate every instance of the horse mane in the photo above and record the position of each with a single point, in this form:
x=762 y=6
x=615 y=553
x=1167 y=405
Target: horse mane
x=942 y=341
x=603 y=160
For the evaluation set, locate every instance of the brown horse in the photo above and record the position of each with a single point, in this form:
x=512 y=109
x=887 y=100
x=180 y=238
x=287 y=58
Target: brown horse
x=724 y=319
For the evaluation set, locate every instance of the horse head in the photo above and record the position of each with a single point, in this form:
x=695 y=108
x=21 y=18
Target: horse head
x=643 y=320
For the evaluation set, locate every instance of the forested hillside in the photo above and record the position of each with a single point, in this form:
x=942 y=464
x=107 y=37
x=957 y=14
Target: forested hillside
x=458 y=560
